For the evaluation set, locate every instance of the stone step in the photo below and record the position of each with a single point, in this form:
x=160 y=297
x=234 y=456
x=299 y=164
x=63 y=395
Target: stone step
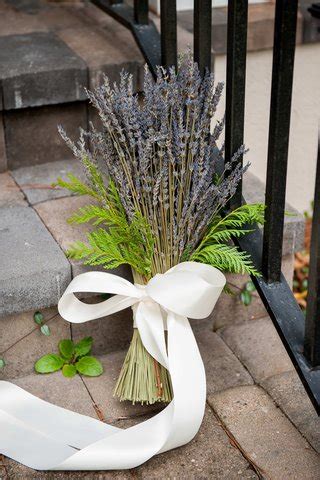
x=35 y=236
x=49 y=54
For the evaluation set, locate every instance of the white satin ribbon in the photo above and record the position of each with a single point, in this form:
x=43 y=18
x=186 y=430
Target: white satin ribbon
x=46 y=437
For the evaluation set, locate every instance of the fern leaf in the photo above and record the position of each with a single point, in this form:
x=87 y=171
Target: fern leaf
x=97 y=215
x=223 y=236
x=76 y=186
x=226 y=258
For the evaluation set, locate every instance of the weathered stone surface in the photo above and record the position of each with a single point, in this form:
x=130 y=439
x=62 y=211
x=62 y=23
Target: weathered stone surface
x=22 y=355
x=3 y=153
x=223 y=369
x=20 y=472
x=258 y=347
x=10 y=193
x=109 y=333
x=43 y=70
x=209 y=455
x=101 y=390
x=36 y=181
x=293 y=234
x=55 y=213
x=34 y=271
x=64 y=392
x=15 y=327
x=17 y=22
x=288 y=392
x=265 y=434
x=32 y=136
x=89 y=42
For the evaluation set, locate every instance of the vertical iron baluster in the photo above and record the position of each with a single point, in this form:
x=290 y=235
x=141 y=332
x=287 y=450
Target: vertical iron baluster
x=202 y=34
x=236 y=82
x=141 y=11
x=279 y=127
x=312 y=330
x=168 y=33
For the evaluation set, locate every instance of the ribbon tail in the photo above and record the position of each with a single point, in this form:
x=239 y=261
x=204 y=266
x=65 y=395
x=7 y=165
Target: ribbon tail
x=188 y=380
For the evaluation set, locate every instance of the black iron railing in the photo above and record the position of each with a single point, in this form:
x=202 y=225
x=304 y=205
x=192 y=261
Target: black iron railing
x=300 y=336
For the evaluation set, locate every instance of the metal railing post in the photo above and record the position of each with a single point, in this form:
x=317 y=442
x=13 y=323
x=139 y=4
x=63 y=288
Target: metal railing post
x=312 y=329
x=279 y=128
x=236 y=83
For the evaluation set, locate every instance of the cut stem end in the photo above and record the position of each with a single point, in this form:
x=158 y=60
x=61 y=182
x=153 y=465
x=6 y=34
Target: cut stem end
x=142 y=379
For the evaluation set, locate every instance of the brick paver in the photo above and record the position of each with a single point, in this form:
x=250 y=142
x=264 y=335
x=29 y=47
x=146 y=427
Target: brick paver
x=209 y=455
x=258 y=347
x=35 y=181
x=288 y=392
x=265 y=434
x=223 y=369
x=10 y=194
x=22 y=355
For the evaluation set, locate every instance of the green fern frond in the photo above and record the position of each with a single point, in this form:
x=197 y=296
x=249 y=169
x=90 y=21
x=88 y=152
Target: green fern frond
x=226 y=258
x=245 y=214
x=222 y=229
x=130 y=244
x=214 y=248
x=76 y=186
x=224 y=236
x=97 y=215
x=101 y=250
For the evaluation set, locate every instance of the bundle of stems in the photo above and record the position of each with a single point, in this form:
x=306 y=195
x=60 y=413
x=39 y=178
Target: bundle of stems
x=157 y=198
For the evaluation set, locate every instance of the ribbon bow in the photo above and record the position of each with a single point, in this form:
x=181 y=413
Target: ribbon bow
x=46 y=437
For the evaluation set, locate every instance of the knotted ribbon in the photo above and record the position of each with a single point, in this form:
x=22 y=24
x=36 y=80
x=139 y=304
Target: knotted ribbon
x=46 y=437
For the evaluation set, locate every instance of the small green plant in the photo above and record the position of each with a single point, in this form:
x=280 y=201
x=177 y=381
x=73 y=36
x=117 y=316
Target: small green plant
x=246 y=293
x=38 y=319
x=73 y=358
x=2 y=363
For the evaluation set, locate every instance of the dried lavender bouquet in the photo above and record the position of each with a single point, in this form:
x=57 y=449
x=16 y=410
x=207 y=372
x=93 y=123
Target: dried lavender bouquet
x=157 y=198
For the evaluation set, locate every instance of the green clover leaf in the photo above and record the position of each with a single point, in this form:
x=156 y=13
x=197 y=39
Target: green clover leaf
x=2 y=363
x=49 y=363
x=89 y=366
x=69 y=371
x=66 y=348
x=38 y=318
x=83 y=347
x=45 y=330
x=246 y=297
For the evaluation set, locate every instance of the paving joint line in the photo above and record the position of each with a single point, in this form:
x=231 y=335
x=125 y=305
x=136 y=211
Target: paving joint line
x=261 y=386
x=233 y=441
x=29 y=333
x=285 y=414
